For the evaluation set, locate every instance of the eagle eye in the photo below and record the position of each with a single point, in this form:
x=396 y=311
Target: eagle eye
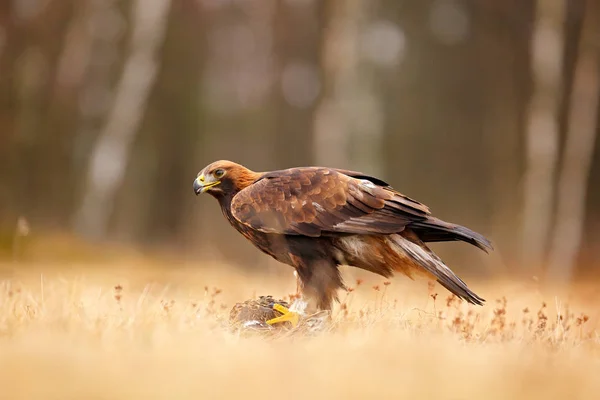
x=219 y=173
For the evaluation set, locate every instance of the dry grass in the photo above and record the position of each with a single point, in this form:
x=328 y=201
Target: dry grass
x=117 y=332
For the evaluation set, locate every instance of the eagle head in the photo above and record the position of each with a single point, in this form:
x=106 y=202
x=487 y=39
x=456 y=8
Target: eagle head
x=222 y=178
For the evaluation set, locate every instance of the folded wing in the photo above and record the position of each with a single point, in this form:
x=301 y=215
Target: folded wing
x=317 y=201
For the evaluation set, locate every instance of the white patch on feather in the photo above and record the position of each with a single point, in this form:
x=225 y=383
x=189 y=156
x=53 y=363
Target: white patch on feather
x=362 y=222
x=355 y=245
x=299 y=306
x=318 y=207
x=367 y=183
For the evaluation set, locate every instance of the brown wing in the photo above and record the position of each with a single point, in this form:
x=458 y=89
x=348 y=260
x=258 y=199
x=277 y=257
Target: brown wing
x=316 y=201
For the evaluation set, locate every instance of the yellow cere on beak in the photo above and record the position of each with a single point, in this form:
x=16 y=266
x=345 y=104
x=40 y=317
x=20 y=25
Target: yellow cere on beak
x=201 y=186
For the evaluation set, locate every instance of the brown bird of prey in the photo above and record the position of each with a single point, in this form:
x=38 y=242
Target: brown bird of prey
x=316 y=219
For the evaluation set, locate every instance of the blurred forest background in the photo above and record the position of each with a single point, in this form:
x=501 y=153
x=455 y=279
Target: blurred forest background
x=485 y=110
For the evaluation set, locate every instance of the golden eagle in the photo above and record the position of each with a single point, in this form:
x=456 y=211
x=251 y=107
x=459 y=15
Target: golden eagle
x=316 y=219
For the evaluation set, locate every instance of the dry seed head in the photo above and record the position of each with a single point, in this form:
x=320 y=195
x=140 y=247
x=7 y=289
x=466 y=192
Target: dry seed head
x=581 y=320
x=450 y=299
x=118 y=292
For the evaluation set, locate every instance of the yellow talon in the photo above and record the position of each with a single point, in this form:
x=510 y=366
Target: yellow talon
x=288 y=316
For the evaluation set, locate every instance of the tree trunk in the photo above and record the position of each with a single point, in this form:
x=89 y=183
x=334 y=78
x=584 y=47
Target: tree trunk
x=502 y=31
x=579 y=149
x=297 y=41
x=348 y=121
x=111 y=152
x=542 y=136
x=236 y=100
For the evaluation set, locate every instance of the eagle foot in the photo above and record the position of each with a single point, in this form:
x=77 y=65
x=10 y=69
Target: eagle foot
x=287 y=316
x=266 y=313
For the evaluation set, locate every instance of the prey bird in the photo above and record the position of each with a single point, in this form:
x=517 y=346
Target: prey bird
x=316 y=219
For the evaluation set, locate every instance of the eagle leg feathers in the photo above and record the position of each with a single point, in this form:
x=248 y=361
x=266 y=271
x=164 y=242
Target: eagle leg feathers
x=319 y=280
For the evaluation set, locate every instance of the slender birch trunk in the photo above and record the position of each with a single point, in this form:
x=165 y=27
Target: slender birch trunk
x=542 y=140
x=111 y=152
x=579 y=150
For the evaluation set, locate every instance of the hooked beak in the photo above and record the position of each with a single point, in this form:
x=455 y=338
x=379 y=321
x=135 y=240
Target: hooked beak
x=201 y=185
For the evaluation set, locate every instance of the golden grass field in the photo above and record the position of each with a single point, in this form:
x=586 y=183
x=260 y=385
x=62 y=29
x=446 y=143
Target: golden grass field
x=136 y=330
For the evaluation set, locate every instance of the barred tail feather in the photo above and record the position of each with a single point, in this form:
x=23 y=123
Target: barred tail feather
x=435 y=266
